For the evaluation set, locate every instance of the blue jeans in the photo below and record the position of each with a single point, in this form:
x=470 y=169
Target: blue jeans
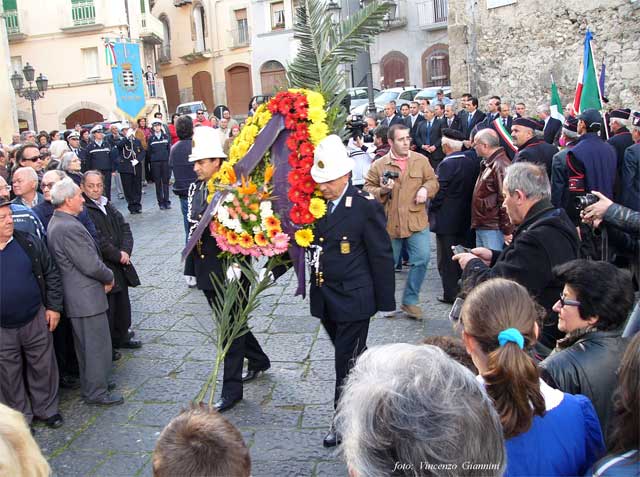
x=184 y=204
x=491 y=239
x=419 y=246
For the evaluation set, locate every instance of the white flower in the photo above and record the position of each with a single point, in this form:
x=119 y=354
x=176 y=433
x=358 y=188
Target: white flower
x=228 y=198
x=256 y=230
x=223 y=214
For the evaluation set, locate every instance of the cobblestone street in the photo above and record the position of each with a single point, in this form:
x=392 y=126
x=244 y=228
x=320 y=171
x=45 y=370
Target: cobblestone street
x=284 y=414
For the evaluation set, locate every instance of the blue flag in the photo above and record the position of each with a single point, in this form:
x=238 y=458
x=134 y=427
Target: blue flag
x=127 y=79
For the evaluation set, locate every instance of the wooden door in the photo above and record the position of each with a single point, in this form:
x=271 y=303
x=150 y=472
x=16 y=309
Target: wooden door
x=172 y=91
x=83 y=116
x=272 y=77
x=238 y=89
x=203 y=89
x=395 y=69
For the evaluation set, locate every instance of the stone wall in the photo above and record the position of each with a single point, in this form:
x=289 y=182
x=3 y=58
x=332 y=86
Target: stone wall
x=513 y=50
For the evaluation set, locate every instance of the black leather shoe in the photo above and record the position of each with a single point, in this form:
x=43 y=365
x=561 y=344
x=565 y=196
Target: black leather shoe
x=115 y=355
x=442 y=299
x=111 y=386
x=252 y=374
x=332 y=438
x=224 y=404
x=130 y=333
x=108 y=400
x=53 y=422
x=131 y=344
x=69 y=382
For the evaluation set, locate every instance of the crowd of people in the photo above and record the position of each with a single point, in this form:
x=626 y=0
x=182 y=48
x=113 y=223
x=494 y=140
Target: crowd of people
x=537 y=226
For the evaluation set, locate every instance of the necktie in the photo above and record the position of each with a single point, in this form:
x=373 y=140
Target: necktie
x=504 y=122
x=429 y=132
x=330 y=205
x=449 y=122
x=469 y=120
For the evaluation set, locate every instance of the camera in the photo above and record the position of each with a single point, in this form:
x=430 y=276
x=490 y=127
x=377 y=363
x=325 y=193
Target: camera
x=457 y=249
x=584 y=201
x=386 y=175
x=355 y=125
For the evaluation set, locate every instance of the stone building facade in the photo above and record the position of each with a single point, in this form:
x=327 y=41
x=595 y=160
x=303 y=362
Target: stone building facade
x=512 y=47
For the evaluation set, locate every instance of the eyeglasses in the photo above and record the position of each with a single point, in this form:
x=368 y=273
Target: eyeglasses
x=47 y=185
x=200 y=114
x=566 y=302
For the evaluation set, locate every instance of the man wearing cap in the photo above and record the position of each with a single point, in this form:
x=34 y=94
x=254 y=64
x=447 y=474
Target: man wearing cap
x=130 y=157
x=528 y=135
x=621 y=139
x=207 y=156
x=559 y=170
x=630 y=173
x=352 y=276
x=592 y=162
x=97 y=155
x=441 y=98
x=73 y=139
x=450 y=209
x=158 y=154
x=404 y=200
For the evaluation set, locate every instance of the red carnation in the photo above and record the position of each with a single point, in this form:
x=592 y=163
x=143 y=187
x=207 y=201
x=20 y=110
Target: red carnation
x=292 y=143
x=296 y=214
x=290 y=122
x=295 y=194
x=293 y=159
x=306 y=149
x=307 y=184
x=295 y=176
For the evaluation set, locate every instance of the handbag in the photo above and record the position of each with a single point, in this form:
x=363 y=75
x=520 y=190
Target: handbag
x=131 y=275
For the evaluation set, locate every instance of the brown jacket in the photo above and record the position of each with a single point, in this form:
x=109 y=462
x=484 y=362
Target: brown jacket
x=404 y=216
x=486 y=207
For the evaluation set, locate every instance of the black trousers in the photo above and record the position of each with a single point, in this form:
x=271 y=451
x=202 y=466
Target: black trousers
x=161 y=175
x=119 y=315
x=65 y=349
x=350 y=341
x=107 y=183
x=450 y=271
x=244 y=346
x=132 y=188
x=147 y=170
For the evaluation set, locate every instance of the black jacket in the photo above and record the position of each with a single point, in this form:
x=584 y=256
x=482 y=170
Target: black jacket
x=45 y=270
x=478 y=117
x=435 y=139
x=97 y=157
x=537 y=151
x=115 y=236
x=356 y=261
x=183 y=172
x=450 y=209
x=620 y=142
x=588 y=365
x=129 y=150
x=552 y=130
x=544 y=239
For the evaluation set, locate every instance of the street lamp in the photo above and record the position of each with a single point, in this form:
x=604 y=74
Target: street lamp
x=30 y=93
x=334 y=9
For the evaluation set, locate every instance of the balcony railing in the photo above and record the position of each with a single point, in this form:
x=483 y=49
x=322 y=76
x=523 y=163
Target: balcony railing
x=83 y=13
x=432 y=14
x=240 y=37
x=12 y=22
x=164 y=54
x=152 y=30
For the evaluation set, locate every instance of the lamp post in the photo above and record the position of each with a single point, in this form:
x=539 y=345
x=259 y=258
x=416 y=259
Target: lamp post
x=30 y=92
x=334 y=9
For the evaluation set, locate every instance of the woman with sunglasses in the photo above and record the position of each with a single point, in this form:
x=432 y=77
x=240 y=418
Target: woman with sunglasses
x=592 y=309
x=547 y=432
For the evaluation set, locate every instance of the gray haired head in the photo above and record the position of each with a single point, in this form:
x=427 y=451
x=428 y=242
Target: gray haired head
x=544 y=108
x=63 y=190
x=411 y=410
x=529 y=178
x=65 y=160
x=57 y=173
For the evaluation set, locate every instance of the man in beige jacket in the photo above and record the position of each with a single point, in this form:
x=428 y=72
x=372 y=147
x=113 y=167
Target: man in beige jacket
x=402 y=181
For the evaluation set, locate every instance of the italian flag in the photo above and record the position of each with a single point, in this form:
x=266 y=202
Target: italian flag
x=556 y=104
x=504 y=134
x=587 y=91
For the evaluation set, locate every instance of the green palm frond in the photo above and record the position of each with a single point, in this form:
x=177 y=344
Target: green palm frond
x=324 y=47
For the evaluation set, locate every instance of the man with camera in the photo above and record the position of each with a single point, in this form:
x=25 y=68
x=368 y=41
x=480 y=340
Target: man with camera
x=544 y=237
x=402 y=181
x=358 y=150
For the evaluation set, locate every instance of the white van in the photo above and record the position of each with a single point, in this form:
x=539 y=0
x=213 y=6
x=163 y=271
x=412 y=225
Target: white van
x=189 y=109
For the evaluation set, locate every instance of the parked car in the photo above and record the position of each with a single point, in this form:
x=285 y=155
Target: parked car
x=401 y=95
x=430 y=93
x=360 y=96
x=191 y=108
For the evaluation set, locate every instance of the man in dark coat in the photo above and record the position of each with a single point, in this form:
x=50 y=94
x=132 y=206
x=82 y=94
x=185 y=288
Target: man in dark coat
x=450 y=209
x=630 y=174
x=472 y=118
x=97 y=155
x=130 y=158
x=182 y=169
x=621 y=138
x=527 y=134
x=429 y=137
x=559 y=169
x=116 y=245
x=203 y=261
x=451 y=120
x=391 y=116
x=544 y=237
x=352 y=262
x=552 y=126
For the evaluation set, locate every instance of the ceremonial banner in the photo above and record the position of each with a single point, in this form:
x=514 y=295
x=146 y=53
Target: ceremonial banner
x=587 y=90
x=127 y=79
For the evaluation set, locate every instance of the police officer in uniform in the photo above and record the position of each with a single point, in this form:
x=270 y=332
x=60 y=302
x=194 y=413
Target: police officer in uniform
x=130 y=157
x=207 y=156
x=351 y=259
x=158 y=154
x=529 y=137
x=97 y=156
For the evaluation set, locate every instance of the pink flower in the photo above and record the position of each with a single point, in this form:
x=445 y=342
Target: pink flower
x=254 y=252
x=252 y=217
x=267 y=251
x=280 y=242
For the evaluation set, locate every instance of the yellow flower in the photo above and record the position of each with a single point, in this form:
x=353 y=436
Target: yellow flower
x=232 y=237
x=317 y=207
x=317 y=115
x=317 y=132
x=260 y=239
x=246 y=240
x=304 y=237
x=315 y=99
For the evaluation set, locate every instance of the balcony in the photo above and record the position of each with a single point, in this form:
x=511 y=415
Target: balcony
x=240 y=37
x=196 y=56
x=432 y=14
x=179 y=3
x=394 y=23
x=151 y=29
x=12 y=22
x=164 y=54
x=83 y=17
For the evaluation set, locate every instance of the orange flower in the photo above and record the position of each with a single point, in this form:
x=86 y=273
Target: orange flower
x=232 y=237
x=272 y=222
x=246 y=241
x=271 y=233
x=247 y=187
x=255 y=207
x=260 y=239
x=268 y=173
x=232 y=175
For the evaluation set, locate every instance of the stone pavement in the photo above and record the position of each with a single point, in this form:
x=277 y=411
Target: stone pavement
x=284 y=414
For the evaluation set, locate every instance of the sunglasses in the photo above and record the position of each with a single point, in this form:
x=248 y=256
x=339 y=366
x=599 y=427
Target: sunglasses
x=33 y=159
x=566 y=302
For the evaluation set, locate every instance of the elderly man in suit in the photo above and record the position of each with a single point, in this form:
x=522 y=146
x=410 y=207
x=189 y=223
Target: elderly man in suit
x=428 y=137
x=86 y=280
x=552 y=126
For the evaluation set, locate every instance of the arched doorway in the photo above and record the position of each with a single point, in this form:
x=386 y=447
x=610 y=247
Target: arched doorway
x=395 y=70
x=83 y=116
x=272 y=77
x=239 y=91
x=203 y=88
x=435 y=66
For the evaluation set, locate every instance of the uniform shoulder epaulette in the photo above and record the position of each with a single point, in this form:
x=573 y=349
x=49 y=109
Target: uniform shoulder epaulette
x=365 y=195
